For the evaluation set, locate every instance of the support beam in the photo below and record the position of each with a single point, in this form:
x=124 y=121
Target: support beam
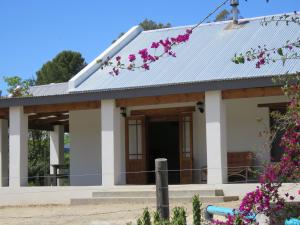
x=216 y=142
x=18 y=147
x=111 y=143
x=61 y=107
x=3 y=153
x=165 y=99
x=252 y=92
x=162 y=111
x=4 y=113
x=57 y=148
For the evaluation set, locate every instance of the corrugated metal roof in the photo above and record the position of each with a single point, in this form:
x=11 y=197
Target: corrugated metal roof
x=206 y=57
x=49 y=89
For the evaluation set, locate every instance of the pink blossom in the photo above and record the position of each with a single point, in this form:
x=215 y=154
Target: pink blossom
x=155 y=45
x=146 y=66
x=131 y=57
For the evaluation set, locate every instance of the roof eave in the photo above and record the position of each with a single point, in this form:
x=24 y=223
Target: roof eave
x=108 y=53
x=139 y=92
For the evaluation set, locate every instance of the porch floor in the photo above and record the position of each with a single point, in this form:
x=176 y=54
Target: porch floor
x=63 y=194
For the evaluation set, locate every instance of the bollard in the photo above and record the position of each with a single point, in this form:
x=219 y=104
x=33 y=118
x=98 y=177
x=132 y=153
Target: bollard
x=162 y=190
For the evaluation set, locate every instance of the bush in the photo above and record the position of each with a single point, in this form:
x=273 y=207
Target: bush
x=179 y=216
x=196 y=210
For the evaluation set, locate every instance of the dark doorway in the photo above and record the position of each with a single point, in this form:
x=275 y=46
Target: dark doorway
x=276 y=149
x=163 y=142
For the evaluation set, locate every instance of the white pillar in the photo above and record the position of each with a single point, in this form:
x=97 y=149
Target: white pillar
x=3 y=153
x=216 y=143
x=18 y=147
x=57 y=147
x=111 y=141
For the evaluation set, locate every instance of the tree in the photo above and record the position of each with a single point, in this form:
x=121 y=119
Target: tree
x=148 y=25
x=61 y=68
x=151 y=25
x=17 y=87
x=223 y=16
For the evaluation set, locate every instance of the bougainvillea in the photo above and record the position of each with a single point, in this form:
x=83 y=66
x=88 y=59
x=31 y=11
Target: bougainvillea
x=263 y=55
x=165 y=47
x=266 y=199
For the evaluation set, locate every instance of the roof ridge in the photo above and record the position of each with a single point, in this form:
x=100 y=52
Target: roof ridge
x=220 y=22
x=60 y=83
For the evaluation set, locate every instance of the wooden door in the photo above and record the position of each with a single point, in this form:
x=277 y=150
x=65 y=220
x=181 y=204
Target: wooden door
x=186 y=147
x=136 y=157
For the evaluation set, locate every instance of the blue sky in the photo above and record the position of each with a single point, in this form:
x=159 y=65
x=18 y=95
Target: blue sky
x=34 y=31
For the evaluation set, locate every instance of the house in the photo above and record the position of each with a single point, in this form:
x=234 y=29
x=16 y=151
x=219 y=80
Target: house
x=118 y=125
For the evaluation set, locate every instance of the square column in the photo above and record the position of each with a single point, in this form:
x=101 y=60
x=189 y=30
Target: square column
x=18 y=147
x=57 y=148
x=216 y=138
x=111 y=143
x=3 y=153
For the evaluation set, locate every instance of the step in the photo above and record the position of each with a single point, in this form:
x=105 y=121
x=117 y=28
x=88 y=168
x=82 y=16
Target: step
x=151 y=193
x=150 y=201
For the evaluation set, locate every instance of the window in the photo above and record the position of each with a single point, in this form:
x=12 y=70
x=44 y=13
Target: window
x=186 y=137
x=135 y=139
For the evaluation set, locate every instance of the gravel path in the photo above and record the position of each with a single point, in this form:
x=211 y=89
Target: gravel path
x=79 y=215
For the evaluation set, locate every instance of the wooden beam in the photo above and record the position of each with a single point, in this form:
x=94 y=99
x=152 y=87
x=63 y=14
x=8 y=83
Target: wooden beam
x=163 y=111
x=4 y=113
x=277 y=105
x=52 y=120
x=154 y=100
x=40 y=115
x=252 y=92
x=62 y=107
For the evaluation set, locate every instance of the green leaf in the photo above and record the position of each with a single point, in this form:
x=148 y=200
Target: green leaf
x=280 y=52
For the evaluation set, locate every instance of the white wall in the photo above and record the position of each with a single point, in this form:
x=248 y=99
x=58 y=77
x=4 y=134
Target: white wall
x=85 y=147
x=243 y=129
x=244 y=123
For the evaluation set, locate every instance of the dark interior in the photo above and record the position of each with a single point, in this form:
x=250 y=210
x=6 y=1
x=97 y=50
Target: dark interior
x=276 y=149
x=164 y=143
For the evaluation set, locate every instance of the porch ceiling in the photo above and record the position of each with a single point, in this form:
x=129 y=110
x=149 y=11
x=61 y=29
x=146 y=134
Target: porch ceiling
x=46 y=121
x=44 y=117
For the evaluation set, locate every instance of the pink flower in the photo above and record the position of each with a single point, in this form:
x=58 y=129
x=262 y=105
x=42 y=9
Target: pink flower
x=155 y=45
x=145 y=66
x=131 y=57
x=118 y=58
x=144 y=54
x=189 y=31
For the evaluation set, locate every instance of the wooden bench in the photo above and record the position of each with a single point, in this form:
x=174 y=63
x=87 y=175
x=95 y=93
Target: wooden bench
x=239 y=164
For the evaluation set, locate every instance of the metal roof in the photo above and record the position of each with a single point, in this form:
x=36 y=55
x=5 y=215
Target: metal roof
x=206 y=57
x=49 y=89
x=137 y=92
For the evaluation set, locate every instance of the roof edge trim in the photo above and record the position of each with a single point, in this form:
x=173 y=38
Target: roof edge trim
x=109 y=52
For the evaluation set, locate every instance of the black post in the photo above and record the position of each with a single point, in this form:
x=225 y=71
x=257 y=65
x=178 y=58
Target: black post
x=162 y=189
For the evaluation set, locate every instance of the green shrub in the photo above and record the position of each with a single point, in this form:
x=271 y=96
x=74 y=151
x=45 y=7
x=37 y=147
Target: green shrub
x=146 y=217
x=179 y=216
x=139 y=221
x=156 y=218
x=196 y=210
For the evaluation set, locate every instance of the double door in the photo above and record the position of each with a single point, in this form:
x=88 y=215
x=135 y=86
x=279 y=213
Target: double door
x=137 y=153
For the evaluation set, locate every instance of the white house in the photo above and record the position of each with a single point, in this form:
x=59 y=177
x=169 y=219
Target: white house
x=118 y=125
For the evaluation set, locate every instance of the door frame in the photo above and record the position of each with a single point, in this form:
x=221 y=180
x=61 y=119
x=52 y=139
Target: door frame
x=161 y=114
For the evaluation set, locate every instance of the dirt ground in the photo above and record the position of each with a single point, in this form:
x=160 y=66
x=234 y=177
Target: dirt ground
x=79 y=215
